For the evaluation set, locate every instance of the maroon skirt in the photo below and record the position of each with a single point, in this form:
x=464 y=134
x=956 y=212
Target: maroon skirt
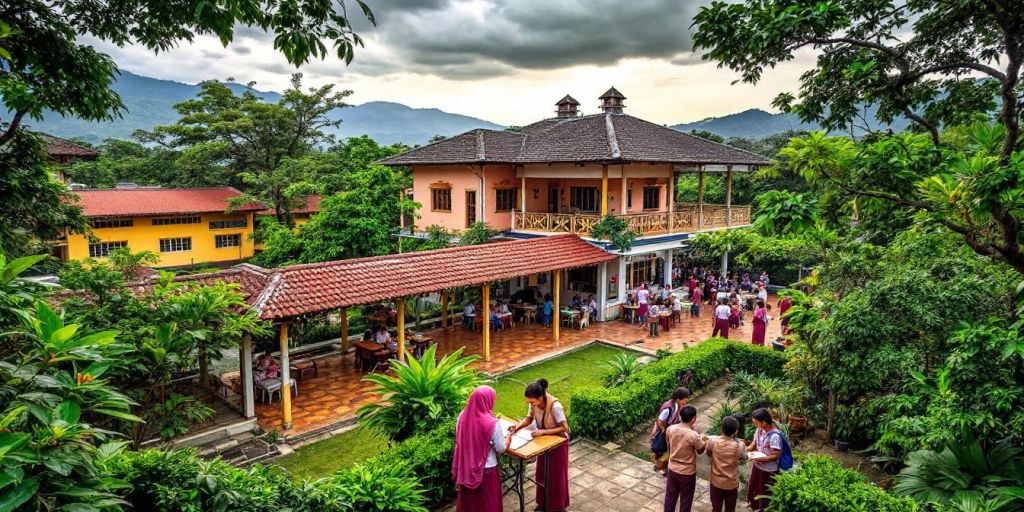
x=485 y=498
x=759 y=485
x=558 y=494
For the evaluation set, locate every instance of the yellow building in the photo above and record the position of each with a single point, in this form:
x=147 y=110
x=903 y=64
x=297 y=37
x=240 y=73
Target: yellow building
x=300 y=215
x=182 y=226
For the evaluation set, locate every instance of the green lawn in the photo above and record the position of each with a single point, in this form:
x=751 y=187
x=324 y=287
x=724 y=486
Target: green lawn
x=579 y=369
x=323 y=458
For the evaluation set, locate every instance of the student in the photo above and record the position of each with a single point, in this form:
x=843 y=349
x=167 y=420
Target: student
x=684 y=444
x=667 y=416
x=592 y=305
x=653 y=319
x=549 y=309
x=767 y=440
x=548 y=416
x=677 y=309
x=383 y=337
x=643 y=296
x=478 y=441
x=760 y=324
x=469 y=315
x=762 y=292
x=691 y=285
x=726 y=453
x=496 y=320
x=784 y=304
x=720 y=319
x=696 y=297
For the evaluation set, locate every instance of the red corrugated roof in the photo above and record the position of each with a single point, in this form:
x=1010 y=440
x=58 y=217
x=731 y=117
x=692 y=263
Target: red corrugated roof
x=303 y=289
x=157 y=201
x=312 y=206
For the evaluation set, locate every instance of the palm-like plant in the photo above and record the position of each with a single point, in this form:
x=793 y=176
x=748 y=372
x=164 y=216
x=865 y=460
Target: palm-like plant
x=420 y=395
x=622 y=366
x=965 y=476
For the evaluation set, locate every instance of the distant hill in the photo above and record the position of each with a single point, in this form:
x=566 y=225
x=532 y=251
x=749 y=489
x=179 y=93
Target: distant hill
x=757 y=124
x=150 y=103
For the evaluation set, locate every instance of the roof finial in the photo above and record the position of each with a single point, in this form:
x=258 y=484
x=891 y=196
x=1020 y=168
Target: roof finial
x=567 y=107
x=611 y=101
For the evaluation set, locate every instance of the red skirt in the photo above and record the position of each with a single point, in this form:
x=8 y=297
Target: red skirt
x=759 y=485
x=558 y=494
x=485 y=498
x=721 y=328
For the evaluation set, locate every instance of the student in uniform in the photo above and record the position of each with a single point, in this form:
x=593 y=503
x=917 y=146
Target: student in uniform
x=667 y=416
x=767 y=440
x=726 y=453
x=547 y=415
x=478 y=441
x=720 y=319
x=684 y=444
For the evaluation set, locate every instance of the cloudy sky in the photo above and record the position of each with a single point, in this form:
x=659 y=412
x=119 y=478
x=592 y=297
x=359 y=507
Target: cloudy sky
x=506 y=61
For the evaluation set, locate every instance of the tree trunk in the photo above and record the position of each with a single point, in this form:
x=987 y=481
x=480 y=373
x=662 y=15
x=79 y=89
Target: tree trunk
x=204 y=363
x=831 y=414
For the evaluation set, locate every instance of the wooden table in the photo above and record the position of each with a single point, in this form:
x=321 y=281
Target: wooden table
x=419 y=344
x=516 y=474
x=370 y=348
x=524 y=310
x=632 y=309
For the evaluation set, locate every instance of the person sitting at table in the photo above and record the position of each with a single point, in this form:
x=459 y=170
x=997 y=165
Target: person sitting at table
x=548 y=311
x=666 y=292
x=747 y=285
x=266 y=368
x=547 y=415
x=496 y=320
x=577 y=302
x=468 y=315
x=383 y=337
x=478 y=441
x=592 y=305
x=368 y=334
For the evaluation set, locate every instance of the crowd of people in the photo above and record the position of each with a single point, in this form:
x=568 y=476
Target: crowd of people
x=677 y=442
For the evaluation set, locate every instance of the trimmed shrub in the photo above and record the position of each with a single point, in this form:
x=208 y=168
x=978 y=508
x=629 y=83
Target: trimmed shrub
x=606 y=413
x=820 y=484
x=428 y=456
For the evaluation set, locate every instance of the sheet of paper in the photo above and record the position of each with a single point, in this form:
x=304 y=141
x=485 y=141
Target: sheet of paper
x=754 y=455
x=517 y=442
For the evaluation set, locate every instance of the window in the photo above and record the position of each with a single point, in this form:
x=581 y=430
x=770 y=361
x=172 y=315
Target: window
x=441 y=199
x=583 y=199
x=168 y=221
x=222 y=241
x=110 y=222
x=651 y=196
x=102 y=249
x=226 y=224
x=176 y=244
x=505 y=199
x=629 y=196
x=638 y=272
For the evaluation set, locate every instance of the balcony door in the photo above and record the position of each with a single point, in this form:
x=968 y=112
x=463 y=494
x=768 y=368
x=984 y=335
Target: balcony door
x=470 y=207
x=552 y=199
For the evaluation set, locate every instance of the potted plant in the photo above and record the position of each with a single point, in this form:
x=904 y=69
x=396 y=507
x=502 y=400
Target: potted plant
x=794 y=403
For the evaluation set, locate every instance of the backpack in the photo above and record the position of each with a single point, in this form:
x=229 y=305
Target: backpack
x=786 y=459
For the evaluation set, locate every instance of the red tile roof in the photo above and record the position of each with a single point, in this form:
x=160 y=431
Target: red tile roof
x=157 y=201
x=58 y=147
x=302 y=289
x=312 y=206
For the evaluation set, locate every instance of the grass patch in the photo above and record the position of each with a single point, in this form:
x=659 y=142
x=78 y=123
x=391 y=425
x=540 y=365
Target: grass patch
x=321 y=459
x=580 y=369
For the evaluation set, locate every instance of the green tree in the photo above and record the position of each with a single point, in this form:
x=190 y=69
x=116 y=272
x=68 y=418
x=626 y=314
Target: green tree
x=478 y=233
x=912 y=60
x=781 y=211
x=616 y=231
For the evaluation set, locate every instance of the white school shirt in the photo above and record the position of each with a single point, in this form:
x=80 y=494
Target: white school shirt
x=763 y=294
x=497 y=446
x=642 y=295
x=723 y=312
x=557 y=411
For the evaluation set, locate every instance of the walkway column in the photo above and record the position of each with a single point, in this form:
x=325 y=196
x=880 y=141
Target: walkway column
x=667 y=266
x=604 y=190
x=725 y=262
x=485 y=310
x=344 y=331
x=286 y=379
x=728 y=195
x=622 y=278
x=700 y=200
x=556 y=285
x=444 y=309
x=623 y=200
x=602 y=291
x=522 y=201
x=671 y=199
x=245 y=373
x=401 y=328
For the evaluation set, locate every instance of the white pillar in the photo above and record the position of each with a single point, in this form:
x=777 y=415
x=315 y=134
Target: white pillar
x=725 y=263
x=622 y=278
x=245 y=373
x=667 y=269
x=602 y=291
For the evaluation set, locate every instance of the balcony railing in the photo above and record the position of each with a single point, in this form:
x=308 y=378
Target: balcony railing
x=685 y=218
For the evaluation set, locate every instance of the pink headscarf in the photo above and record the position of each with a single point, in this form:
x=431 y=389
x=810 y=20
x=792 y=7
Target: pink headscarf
x=473 y=437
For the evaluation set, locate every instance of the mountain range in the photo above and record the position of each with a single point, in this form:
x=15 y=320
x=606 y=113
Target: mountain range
x=150 y=102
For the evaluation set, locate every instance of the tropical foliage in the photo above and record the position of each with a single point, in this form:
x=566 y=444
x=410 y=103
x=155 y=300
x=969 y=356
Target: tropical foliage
x=615 y=230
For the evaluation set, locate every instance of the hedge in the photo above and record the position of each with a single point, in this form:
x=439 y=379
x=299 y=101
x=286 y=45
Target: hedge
x=606 y=413
x=428 y=456
x=820 y=484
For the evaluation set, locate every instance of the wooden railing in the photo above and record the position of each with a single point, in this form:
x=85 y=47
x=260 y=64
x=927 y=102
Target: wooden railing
x=685 y=218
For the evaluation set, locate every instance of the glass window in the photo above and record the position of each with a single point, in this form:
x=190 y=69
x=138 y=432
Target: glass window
x=227 y=224
x=168 y=221
x=222 y=241
x=505 y=199
x=102 y=249
x=176 y=244
x=441 y=199
x=638 y=272
x=583 y=199
x=110 y=222
x=651 y=196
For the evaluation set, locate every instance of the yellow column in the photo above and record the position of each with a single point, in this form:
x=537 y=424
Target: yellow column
x=700 y=200
x=286 y=379
x=401 y=328
x=604 y=190
x=444 y=309
x=485 y=310
x=728 y=195
x=344 y=330
x=556 y=284
x=671 y=199
x=622 y=197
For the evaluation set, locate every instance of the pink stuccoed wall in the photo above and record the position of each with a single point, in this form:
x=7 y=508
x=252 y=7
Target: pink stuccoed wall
x=462 y=178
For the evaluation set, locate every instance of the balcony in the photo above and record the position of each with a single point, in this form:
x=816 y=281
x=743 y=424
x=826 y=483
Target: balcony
x=686 y=218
